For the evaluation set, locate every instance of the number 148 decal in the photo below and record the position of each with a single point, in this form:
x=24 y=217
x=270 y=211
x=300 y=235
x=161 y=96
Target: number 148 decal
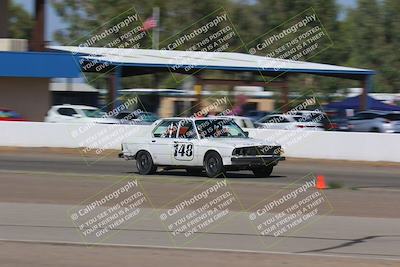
x=183 y=151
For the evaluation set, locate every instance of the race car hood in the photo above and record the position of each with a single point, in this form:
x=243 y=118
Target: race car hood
x=241 y=142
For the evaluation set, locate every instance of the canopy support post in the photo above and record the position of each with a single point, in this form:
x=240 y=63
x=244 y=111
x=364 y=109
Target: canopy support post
x=285 y=95
x=198 y=89
x=114 y=87
x=366 y=85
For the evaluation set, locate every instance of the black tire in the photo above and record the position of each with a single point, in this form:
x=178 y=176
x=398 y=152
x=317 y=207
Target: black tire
x=261 y=172
x=375 y=130
x=194 y=171
x=213 y=164
x=144 y=163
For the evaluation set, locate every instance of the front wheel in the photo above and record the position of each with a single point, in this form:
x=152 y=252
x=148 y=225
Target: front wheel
x=144 y=163
x=264 y=171
x=213 y=164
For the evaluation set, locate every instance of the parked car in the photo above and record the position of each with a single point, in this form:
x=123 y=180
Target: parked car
x=10 y=115
x=78 y=114
x=375 y=121
x=136 y=117
x=213 y=144
x=321 y=117
x=255 y=115
x=288 y=122
x=337 y=124
x=337 y=120
x=243 y=122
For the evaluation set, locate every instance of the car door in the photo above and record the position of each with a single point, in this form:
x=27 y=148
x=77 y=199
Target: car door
x=269 y=122
x=359 y=122
x=278 y=122
x=186 y=145
x=364 y=122
x=284 y=123
x=162 y=141
x=373 y=123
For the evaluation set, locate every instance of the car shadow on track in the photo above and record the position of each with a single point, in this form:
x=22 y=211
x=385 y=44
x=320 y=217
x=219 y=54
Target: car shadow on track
x=229 y=175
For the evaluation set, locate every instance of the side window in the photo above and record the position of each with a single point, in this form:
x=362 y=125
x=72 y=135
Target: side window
x=276 y=119
x=284 y=120
x=273 y=119
x=370 y=116
x=166 y=129
x=360 y=116
x=186 y=130
x=66 y=111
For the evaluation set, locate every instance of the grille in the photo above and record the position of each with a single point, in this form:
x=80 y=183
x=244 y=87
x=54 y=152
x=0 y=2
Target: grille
x=257 y=150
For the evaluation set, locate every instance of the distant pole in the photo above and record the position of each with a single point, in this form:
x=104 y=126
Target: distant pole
x=4 y=18
x=285 y=95
x=366 y=84
x=156 y=40
x=156 y=30
x=37 y=39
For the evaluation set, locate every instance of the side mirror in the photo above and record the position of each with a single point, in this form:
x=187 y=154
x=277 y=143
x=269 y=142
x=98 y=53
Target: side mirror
x=77 y=116
x=246 y=134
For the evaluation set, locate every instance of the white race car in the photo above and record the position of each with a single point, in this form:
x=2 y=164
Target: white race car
x=214 y=144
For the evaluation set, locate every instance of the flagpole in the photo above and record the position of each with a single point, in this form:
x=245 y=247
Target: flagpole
x=156 y=30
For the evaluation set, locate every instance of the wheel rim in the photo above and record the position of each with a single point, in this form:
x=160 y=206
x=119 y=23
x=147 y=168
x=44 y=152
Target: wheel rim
x=144 y=162
x=212 y=165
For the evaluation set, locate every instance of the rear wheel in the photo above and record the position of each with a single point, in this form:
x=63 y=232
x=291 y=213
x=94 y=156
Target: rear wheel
x=144 y=163
x=213 y=164
x=194 y=171
x=264 y=171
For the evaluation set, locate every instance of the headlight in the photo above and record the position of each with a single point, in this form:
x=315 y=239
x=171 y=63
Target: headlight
x=239 y=151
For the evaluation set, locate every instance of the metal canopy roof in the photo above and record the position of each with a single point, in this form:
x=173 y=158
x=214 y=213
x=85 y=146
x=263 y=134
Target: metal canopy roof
x=38 y=65
x=142 y=61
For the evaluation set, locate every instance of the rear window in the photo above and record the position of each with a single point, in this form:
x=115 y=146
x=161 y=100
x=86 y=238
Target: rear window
x=166 y=129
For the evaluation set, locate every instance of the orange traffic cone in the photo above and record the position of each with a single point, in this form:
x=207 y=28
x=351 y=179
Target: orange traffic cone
x=321 y=182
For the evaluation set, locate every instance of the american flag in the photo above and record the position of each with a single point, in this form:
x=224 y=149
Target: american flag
x=150 y=23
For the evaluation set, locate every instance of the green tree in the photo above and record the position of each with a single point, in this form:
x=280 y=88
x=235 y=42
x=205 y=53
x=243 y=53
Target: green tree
x=366 y=36
x=391 y=64
x=20 y=22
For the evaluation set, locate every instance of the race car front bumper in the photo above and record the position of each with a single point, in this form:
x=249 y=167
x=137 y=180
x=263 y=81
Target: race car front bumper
x=256 y=160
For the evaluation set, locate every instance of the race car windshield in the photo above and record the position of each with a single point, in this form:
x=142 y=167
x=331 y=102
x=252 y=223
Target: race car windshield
x=93 y=113
x=219 y=128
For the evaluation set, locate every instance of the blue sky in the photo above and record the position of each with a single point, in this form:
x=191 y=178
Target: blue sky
x=51 y=16
x=57 y=23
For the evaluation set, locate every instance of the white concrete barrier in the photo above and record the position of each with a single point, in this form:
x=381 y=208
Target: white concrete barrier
x=68 y=135
x=299 y=143
x=334 y=145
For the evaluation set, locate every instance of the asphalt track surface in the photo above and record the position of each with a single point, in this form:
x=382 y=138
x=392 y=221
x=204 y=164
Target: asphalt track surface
x=349 y=174
x=365 y=238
